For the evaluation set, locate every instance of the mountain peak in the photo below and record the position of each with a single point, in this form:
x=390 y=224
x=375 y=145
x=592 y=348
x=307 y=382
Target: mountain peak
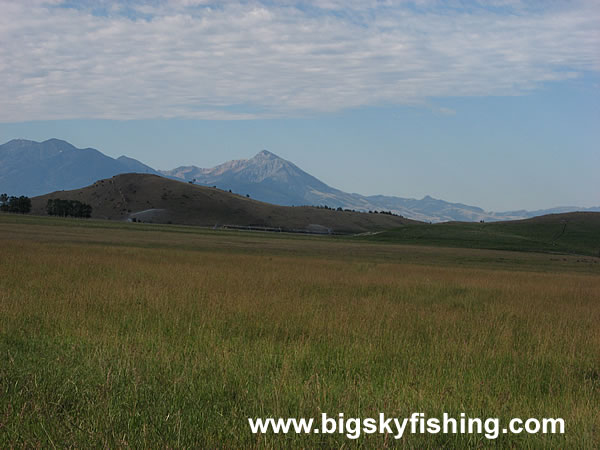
x=18 y=143
x=266 y=154
x=21 y=141
x=55 y=141
x=45 y=149
x=56 y=145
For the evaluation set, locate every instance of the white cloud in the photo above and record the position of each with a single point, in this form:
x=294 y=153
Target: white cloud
x=245 y=59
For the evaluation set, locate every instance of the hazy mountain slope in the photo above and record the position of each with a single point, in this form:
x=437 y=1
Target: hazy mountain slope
x=34 y=168
x=135 y=166
x=162 y=200
x=543 y=212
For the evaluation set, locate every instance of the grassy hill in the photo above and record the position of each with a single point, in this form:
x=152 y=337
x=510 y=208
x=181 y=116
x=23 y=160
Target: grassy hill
x=150 y=198
x=577 y=233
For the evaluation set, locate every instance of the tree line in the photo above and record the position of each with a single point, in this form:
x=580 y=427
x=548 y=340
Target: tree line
x=64 y=208
x=14 y=204
x=339 y=208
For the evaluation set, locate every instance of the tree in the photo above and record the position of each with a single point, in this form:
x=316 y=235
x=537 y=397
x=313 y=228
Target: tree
x=64 y=208
x=14 y=204
x=23 y=204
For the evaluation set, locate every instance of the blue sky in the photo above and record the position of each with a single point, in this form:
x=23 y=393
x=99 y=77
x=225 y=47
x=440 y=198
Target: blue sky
x=493 y=103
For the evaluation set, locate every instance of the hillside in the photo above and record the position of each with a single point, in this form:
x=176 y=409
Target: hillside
x=577 y=233
x=150 y=198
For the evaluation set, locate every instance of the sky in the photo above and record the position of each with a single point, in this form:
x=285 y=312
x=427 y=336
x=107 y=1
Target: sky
x=490 y=103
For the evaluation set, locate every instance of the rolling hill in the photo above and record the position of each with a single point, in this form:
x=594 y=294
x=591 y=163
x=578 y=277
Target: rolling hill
x=577 y=233
x=150 y=198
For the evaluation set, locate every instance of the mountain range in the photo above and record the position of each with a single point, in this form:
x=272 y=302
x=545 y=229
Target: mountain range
x=35 y=168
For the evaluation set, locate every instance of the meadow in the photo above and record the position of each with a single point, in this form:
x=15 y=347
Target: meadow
x=574 y=233
x=133 y=335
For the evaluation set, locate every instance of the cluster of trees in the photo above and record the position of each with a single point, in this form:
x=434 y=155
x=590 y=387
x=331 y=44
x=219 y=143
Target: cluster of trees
x=13 y=204
x=339 y=208
x=64 y=208
x=389 y=213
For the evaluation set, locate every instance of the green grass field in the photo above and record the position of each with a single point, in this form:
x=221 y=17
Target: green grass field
x=575 y=233
x=127 y=335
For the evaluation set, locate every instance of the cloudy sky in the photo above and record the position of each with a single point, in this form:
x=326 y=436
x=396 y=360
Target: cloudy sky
x=494 y=103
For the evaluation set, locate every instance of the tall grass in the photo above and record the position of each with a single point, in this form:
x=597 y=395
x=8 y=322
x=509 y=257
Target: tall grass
x=110 y=345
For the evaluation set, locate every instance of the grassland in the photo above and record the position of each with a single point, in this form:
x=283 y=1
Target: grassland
x=117 y=335
x=576 y=233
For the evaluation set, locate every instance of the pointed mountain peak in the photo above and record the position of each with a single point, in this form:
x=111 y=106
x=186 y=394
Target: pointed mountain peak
x=266 y=154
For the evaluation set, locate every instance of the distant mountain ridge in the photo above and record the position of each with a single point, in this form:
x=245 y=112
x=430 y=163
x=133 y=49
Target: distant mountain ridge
x=35 y=168
x=272 y=179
